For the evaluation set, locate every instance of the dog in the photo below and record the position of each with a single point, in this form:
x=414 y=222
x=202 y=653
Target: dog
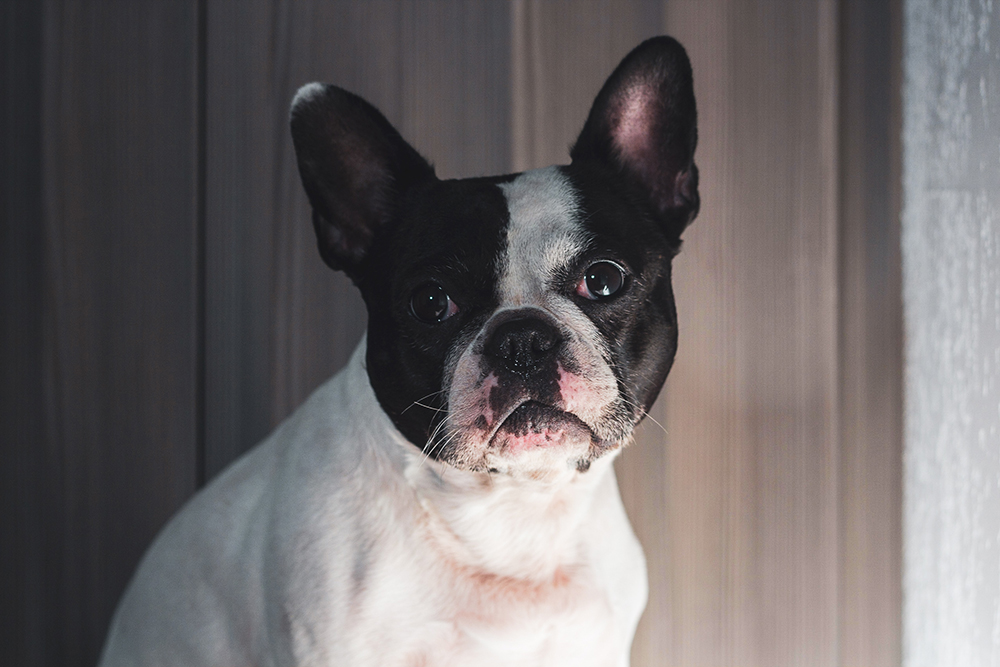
x=449 y=498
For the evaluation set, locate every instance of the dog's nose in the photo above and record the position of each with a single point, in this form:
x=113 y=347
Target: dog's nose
x=521 y=346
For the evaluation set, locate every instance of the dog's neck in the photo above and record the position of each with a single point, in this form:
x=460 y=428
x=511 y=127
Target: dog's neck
x=522 y=528
x=525 y=528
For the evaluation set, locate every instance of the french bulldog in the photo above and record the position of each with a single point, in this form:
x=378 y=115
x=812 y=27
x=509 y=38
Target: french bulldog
x=449 y=498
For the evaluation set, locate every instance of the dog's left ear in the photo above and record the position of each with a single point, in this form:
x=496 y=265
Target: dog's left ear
x=355 y=168
x=643 y=125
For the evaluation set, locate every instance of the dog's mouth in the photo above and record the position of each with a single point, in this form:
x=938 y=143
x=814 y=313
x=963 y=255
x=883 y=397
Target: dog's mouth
x=532 y=424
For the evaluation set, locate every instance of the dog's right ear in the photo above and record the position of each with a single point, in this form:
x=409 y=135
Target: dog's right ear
x=355 y=168
x=644 y=125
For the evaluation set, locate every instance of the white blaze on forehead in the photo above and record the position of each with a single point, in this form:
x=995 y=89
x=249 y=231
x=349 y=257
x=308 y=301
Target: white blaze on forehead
x=543 y=236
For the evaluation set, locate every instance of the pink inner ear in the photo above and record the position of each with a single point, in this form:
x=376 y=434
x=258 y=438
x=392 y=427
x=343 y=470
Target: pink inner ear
x=635 y=122
x=634 y=137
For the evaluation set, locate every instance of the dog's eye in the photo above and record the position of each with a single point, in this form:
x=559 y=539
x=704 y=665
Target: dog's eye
x=601 y=280
x=429 y=303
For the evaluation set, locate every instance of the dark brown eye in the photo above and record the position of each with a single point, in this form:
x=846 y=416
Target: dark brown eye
x=601 y=280
x=430 y=304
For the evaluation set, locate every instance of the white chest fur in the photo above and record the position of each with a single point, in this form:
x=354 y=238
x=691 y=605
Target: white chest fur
x=334 y=543
x=508 y=578
x=568 y=621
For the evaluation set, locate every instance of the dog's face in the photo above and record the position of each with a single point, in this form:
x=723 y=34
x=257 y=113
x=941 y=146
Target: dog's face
x=519 y=324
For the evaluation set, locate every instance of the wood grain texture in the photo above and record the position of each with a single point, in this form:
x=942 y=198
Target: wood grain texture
x=107 y=440
x=23 y=631
x=279 y=321
x=751 y=406
x=562 y=52
x=871 y=335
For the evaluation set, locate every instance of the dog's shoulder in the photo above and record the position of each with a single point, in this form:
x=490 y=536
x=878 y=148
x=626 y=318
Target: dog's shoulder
x=293 y=497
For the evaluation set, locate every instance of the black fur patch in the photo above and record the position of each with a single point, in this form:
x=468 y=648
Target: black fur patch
x=449 y=232
x=640 y=324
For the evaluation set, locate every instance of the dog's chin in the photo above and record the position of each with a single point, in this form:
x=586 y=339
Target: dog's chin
x=533 y=425
x=536 y=440
x=540 y=440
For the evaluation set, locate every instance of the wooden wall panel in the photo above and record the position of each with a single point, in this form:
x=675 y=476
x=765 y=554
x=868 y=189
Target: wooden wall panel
x=750 y=520
x=871 y=334
x=106 y=444
x=22 y=278
x=562 y=52
x=279 y=322
x=120 y=170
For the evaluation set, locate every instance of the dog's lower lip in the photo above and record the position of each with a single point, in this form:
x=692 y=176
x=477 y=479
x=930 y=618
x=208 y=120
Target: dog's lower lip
x=536 y=404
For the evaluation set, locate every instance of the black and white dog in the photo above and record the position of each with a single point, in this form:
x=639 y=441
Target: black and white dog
x=449 y=497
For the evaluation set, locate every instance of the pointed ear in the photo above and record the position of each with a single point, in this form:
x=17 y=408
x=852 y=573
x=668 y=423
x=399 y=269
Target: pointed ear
x=643 y=125
x=355 y=168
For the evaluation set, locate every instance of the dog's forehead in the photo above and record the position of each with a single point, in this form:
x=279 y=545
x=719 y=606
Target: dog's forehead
x=515 y=232
x=543 y=235
x=453 y=225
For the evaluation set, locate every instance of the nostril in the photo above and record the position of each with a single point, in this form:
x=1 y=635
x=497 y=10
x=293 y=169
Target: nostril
x=541 y=342
x=523 y=345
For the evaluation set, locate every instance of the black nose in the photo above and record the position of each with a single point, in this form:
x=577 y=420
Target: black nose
x=521 y=346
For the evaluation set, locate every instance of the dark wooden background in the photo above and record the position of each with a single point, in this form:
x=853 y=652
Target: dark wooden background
x=164 y=306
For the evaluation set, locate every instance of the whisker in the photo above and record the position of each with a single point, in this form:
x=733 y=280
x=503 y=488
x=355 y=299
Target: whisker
x=641 y=410
x=431 y=446
x=437 y=447
x=424 y=398
x=644 y=413
x=424 y=405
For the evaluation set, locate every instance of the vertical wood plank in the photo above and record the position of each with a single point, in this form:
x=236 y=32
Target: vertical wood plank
x=116 y=357
x=562 y=53
x=751 y=405
x=279 y=321
x=22 y=280
x=871 y=335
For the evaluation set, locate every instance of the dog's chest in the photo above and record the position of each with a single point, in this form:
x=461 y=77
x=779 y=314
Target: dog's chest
x=495 y=621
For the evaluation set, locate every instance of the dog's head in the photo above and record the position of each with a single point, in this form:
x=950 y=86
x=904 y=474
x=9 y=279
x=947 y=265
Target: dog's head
x=517 y=324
